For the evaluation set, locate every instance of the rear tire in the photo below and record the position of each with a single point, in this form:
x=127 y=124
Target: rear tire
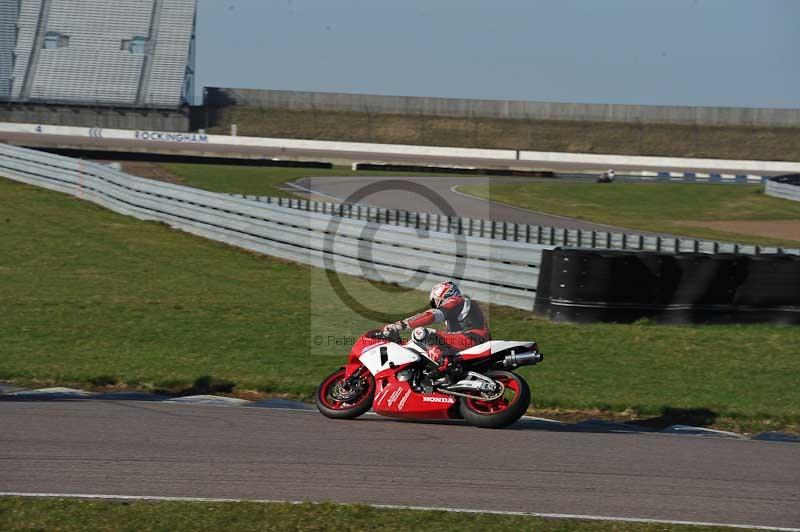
x=500 y=412
x=331 y=404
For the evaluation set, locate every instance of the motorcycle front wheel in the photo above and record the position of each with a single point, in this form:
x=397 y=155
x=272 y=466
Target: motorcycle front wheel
x=502 y=411
x=338 y=399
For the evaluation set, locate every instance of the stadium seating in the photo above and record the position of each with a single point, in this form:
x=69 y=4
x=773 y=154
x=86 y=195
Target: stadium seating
x=125 y=52
x=8 y=17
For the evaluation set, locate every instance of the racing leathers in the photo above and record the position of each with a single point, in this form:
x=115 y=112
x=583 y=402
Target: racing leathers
x=465 y=327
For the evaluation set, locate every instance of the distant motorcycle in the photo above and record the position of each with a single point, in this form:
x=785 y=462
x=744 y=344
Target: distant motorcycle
x=607 y=177
x=395 y=379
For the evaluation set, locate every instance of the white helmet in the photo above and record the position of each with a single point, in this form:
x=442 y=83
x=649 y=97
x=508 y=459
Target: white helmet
x=442 y=291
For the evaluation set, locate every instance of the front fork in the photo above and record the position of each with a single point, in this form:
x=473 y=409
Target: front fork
x=352 y=372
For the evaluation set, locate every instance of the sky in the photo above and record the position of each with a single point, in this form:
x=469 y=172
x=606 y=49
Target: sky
x=740 y=53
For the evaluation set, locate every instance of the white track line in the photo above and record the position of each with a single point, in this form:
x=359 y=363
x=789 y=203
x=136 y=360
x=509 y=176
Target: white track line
x=397 y=507
x=315 y=192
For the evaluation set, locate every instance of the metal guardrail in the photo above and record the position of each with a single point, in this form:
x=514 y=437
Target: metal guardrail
x=514 y=232
x=786 y=187
x=492 y=270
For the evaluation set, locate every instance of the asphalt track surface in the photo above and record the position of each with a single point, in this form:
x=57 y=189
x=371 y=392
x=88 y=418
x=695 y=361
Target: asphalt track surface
x=395 y=193
x=160 y=449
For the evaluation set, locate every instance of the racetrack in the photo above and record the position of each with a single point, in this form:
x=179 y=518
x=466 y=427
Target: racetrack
x=342 y=187
x=328 y=188
x=162 y=449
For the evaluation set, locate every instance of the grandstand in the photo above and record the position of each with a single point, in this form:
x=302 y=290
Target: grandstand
x=8 y=18
x=129 y=54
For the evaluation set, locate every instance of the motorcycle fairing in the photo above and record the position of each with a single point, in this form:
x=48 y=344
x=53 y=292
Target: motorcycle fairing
x=395 y=398
x=494 y=347
x=387 y=356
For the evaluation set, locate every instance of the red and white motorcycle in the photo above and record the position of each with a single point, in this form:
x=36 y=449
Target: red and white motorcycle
x=394 y=378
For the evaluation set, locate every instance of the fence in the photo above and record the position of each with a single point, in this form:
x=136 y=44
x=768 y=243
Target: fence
x=519 y=233
x=491 y=270
x=709 y=132
x=471 y=108
x=786 y=187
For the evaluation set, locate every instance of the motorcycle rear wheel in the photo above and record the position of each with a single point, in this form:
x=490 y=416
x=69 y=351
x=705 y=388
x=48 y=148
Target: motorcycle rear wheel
x=333 y=404
x=502 y=411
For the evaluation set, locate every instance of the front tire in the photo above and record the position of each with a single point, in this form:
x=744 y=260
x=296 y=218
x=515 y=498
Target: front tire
x=503 y=411
x=336 y=400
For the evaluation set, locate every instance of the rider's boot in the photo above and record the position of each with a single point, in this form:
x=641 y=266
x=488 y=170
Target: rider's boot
x=446 y=365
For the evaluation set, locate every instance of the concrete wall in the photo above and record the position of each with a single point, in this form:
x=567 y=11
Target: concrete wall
x=111 y=118
x=215 y=96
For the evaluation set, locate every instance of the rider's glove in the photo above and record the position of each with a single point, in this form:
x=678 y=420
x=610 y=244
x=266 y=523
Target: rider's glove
x=393 y=328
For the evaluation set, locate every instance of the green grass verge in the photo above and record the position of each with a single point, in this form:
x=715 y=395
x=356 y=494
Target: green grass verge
x=723 y=142
x=657 y=207
x=261 y=180
x=90 y=296
x=19 y=514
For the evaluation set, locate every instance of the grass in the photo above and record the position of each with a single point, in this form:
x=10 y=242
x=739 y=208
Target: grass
x=723 y=142
x=657 y=207
x=19 y=514
x=260 y=180
x=90 y=296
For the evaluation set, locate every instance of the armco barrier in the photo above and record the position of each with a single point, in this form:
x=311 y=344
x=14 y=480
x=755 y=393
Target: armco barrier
x=514 y=232
x=494 y=271
x=784 y=186
x=675 y=288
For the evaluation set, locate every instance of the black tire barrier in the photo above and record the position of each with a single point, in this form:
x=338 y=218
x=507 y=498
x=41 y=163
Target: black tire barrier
x=579 y=285
x=150 y=156
x=460 y=170
x=788 y=179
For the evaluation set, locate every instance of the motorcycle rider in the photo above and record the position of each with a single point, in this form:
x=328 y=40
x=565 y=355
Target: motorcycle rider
x=465 y=325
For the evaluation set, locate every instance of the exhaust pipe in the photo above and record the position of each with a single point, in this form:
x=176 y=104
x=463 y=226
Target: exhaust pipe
x=522 y=359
